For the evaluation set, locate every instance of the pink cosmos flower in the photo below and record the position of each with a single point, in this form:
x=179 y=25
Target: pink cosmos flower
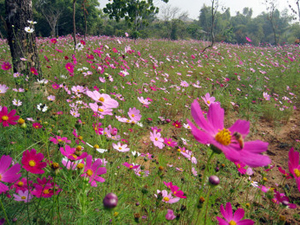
x=167 y=197
x=285 y=174
x=281 y=198
x=130 y=166
x=21 y=185
x=188 y=154
x=3 y=88
x=177 y=124
x=266 y=96
x=248 y=39
x=79 y=138
x=32 y=162
x=120 y=147
x=8 y=175
x=240 y=167
x=105 y=99
x=97 y=128
x=53 y=40
x=92 y=170
x=294 y=166
x=23 y=196
x=170 y=215
x=45 y=188
x=71 y=165
x=37 y=125
x=175 y=190
x=7 y=118
x=222 y=139
x=102 y=110
x=34 y=71
x=170 y=142
x=144 y=101
x=70 y=67
x=208 y=99
x=59 y=140
x=6 y=66
x=134 y=114
x=157 y=139
x=233 y=218
x=72 y=154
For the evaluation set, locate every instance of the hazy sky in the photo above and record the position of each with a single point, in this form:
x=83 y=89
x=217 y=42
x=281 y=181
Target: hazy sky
x=193 y=6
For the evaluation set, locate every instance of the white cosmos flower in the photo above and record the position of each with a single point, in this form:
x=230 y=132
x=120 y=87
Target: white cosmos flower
x=29 y=30
x=100 y=150
x=42 y=107
x=31 y=22
x=17 y=102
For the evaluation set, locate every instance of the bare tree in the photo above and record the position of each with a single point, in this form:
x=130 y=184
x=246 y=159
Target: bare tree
x=51 y=13
x=21 y=38
x=74 y=24
x=295 y=9
x=271 y=6
x=214 y=10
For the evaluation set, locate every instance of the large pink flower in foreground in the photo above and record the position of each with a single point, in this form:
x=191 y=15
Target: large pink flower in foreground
x=294 y=166
x=7 y=118
x=213 y=132
x=8 y=175
x=233 y=218
x=32 y=162
x=92 y=170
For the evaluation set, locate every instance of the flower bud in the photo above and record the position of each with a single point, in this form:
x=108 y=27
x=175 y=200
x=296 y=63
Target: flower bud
x=214 y=180
x=110 y=200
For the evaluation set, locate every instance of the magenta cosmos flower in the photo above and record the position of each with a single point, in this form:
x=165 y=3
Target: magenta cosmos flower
x=294 y=166
x=72 y=154
x=208 y=99
x=7 y=118
x=213 y=132
x=157 y=139
x=6 y=66
x=235 y=218
x=32 y=162
x=92 y=170
x=8 y=175
x=167 y=197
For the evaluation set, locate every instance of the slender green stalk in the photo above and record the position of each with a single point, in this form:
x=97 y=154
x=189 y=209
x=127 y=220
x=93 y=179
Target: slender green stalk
x=5 y=215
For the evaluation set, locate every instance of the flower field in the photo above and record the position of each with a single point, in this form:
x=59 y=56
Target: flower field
x=126 y=131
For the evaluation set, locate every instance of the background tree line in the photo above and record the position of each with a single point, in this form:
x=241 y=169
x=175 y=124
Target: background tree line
x=54 y=18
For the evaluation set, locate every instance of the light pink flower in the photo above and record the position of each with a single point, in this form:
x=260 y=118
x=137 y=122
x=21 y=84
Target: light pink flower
x=92 y=170
x=170 y=215
x=167 y=197
x=23 y=196
x=157 y=139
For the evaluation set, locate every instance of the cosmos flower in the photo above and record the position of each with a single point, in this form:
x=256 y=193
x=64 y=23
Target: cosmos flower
x=157 y=139
x=33 y=71
x=92 y=170
x=170 y=215
x=8 y=175
x=167 y=197
x=23 y=196
x=29 y=30
x=7 y=118
x=3 y=88
x=105 y=99
x=72 y=153
x=6 y=66
x=134 y=114
x=32 y=162
x=120 y=147
x=231 y=218
x=42 y=107
x=294 y=166
x=208 y=99
x=222 y=139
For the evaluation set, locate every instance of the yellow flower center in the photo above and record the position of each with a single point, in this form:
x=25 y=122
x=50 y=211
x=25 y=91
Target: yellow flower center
x=169 y=142
x=297 y=172
x=166 y=199
x=100 y=110
x=59 y=140
x=96 y=146
x=232 y=222
x=120 y=148
x=78 y=148
x=156 y=139
x=223 y=137
x=20 y=183
x=21 y=121
x=178 y=150
x=75 y=156
x=238 y=166
x=208 y=102
x=80 y=138
x=23 y=197
x=132 y=115
x=0 y=177
x=80 y=165
x=130 y=166
x=4 y=118
x=46 y=191
x=101 y=99
x=89 y=172
x=32 y=163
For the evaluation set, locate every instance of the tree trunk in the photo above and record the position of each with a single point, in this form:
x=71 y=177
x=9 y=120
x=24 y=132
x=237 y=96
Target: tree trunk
x=21 y=43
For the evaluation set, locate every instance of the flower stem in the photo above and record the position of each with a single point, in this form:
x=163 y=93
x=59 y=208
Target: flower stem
x=5 y=215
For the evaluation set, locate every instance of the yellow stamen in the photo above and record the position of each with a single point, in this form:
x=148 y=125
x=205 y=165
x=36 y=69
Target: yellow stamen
x=32 y=163
x=297 y=172
x=80 y=165
x=0 y=177
x=232 y=222
x=132 y=115
x=208 y=102
x=46 y=191
x=101 y=99
x=166 y=199
x=89 y=172
x=4 y=118
x=223 y=137
x=100 y=110
x=23 y=197
x=20 y=183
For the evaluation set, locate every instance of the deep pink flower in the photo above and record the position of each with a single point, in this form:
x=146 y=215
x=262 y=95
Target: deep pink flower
x=21 y=185
x=92 y=170
x=59 y=140
x=177 y=124
x=167 y=198
x=134 y=114
x=233 y=218
x=175 y=190
x=281 y=198
x=34 y=71
x=170 y=142
x=37 y=125
x=97 y=128
x=294 y=166
x=170 y=215
x=240 y=167
x=70 y=67
x=130 y=166
x=248 y=39
x=285 y=174
x=72 y=154
x=45 y=188
x=79 y=138
x=6 y=66
x=7 y=118
x=53 y=40
x=32 y=162
x=8 y=175
x=222 y=139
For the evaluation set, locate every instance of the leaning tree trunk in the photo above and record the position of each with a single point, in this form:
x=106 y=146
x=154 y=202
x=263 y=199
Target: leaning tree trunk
x=74 y=24
x=22 y=44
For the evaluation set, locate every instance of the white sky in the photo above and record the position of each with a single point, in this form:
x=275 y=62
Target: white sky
x=193 y=6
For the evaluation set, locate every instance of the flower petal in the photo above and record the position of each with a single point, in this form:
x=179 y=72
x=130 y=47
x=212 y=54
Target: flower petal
x=215 y=116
